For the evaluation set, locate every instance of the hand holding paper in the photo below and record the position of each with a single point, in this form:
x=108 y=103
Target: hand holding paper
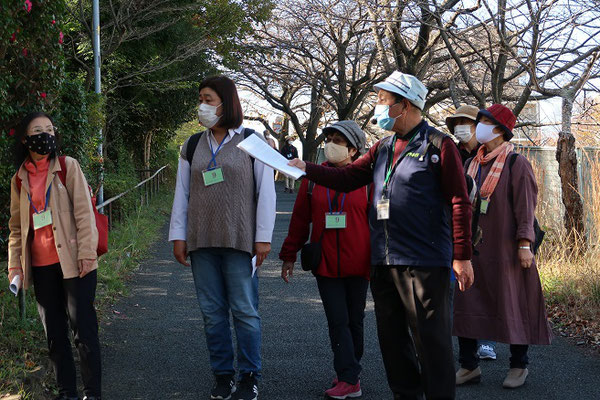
x=15 y=284
x=260 y=150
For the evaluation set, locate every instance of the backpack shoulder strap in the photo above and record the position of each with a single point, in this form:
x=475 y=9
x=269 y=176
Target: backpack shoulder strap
x=382 y=142
x=62 y=174
x=511 y=161
x=248 y=132
x=191 y=146
x=436 y=138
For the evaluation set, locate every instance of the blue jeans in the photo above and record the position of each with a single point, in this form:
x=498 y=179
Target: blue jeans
x=223 y=280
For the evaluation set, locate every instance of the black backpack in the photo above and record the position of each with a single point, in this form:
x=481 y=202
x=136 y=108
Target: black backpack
x=537 y=230
x=434 y=145
x=193 y=143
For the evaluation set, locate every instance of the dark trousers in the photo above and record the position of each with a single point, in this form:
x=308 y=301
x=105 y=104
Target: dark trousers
x=467 y=354
x=344 y=301
x=69 y=301
x=413 y=318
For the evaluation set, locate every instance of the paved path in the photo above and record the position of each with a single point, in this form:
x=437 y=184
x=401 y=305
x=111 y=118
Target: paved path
x=154 y=348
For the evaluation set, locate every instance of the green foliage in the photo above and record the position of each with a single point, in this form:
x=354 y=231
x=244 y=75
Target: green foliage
x=19 y=340
x=31 y=77
x=150 y=73
x=32 y=59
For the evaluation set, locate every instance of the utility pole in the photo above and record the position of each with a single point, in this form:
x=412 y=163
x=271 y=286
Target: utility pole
x=97 y=87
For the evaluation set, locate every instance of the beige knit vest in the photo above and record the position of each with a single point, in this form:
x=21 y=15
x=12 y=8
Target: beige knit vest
x=224 y=214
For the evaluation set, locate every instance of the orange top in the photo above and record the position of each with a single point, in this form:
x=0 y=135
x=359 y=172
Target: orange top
x=43 y=248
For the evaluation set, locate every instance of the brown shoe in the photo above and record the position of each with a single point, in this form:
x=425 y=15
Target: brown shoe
x=515 y=378
x=465 y=376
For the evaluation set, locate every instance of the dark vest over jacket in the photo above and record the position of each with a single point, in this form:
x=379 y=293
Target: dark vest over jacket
x=418 y=232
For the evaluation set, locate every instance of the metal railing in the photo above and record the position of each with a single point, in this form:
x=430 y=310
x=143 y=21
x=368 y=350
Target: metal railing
x=146 y=189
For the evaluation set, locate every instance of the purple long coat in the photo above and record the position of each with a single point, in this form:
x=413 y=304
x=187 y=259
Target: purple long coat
x=505 y=304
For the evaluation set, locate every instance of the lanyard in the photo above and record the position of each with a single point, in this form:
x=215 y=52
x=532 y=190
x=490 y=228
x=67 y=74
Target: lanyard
x=329 y=201
x=391 y=167
x=213 y=160
x=47 y=200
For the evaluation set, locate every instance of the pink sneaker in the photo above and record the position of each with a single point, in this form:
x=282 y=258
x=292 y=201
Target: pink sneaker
x=344 y=390
x=334 y=382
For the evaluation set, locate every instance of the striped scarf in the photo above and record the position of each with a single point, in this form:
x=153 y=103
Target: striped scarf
x=499 y=154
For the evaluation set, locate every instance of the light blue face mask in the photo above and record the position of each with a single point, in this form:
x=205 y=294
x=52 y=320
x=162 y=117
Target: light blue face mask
x=382 y=113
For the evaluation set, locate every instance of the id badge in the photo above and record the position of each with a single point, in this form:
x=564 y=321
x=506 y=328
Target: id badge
x=335 y=221
x=42 y=219
x=383 y=209
x=212 y=176
x=484 y=206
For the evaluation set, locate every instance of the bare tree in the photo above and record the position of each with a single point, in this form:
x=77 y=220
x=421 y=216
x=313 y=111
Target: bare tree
x=564 y=47
x=315 y=62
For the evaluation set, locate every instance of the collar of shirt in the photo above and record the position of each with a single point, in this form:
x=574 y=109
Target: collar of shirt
x=230 y=134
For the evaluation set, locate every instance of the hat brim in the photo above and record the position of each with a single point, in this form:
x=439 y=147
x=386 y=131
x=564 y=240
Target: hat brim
x=450 y=123
x=343 y=131
x=395 y=89
x=486 y=113
x=389 y=88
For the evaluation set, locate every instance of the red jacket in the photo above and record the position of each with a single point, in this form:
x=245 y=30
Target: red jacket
x=346 y=252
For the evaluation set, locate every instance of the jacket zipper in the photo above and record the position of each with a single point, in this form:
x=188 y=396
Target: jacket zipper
x=387 y=250
x=337 y=238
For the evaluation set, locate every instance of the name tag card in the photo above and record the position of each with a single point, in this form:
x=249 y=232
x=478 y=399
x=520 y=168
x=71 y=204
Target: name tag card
x=212 y=176
x=383 y=209
x=42 y=219
x=335 y=221
x=484 y=206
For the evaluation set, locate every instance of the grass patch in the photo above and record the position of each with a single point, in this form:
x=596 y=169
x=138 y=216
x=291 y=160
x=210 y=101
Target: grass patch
x=24 y=364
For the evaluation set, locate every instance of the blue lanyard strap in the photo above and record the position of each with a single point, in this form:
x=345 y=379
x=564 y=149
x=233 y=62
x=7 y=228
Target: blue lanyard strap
x=329 y=201
x=47 y=200
x=213 y=160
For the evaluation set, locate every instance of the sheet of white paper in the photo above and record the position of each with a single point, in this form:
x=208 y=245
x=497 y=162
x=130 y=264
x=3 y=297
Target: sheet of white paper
x=15 y=285
x=260 y=150
x=253 y=266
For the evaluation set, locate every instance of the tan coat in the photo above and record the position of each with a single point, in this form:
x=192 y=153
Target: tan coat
x=73 y=221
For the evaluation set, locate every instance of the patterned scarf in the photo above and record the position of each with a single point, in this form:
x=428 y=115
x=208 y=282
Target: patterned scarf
x=499 y=154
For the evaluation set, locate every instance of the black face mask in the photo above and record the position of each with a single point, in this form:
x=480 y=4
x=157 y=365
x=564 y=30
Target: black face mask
x=42 y=143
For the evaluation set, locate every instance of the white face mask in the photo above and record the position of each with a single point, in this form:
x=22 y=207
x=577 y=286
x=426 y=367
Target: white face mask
x=207 y=115
x=463 y=133
x=335 y=153
x=485 y=134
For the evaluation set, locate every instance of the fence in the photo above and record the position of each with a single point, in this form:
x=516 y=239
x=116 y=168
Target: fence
x=543 y=160
x=145 y=190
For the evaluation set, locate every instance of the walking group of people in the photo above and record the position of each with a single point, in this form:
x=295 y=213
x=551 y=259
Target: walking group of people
x=397 y=216
x=419 y=219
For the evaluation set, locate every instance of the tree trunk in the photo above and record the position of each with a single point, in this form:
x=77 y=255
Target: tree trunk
x=309 y=150
x=567 y=170
x=147 y=148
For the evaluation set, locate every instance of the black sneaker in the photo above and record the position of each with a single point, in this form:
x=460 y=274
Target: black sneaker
x=223 y=388
x=247 y=388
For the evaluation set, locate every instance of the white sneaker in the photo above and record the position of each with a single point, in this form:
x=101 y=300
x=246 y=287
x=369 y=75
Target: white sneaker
x=486 y=352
